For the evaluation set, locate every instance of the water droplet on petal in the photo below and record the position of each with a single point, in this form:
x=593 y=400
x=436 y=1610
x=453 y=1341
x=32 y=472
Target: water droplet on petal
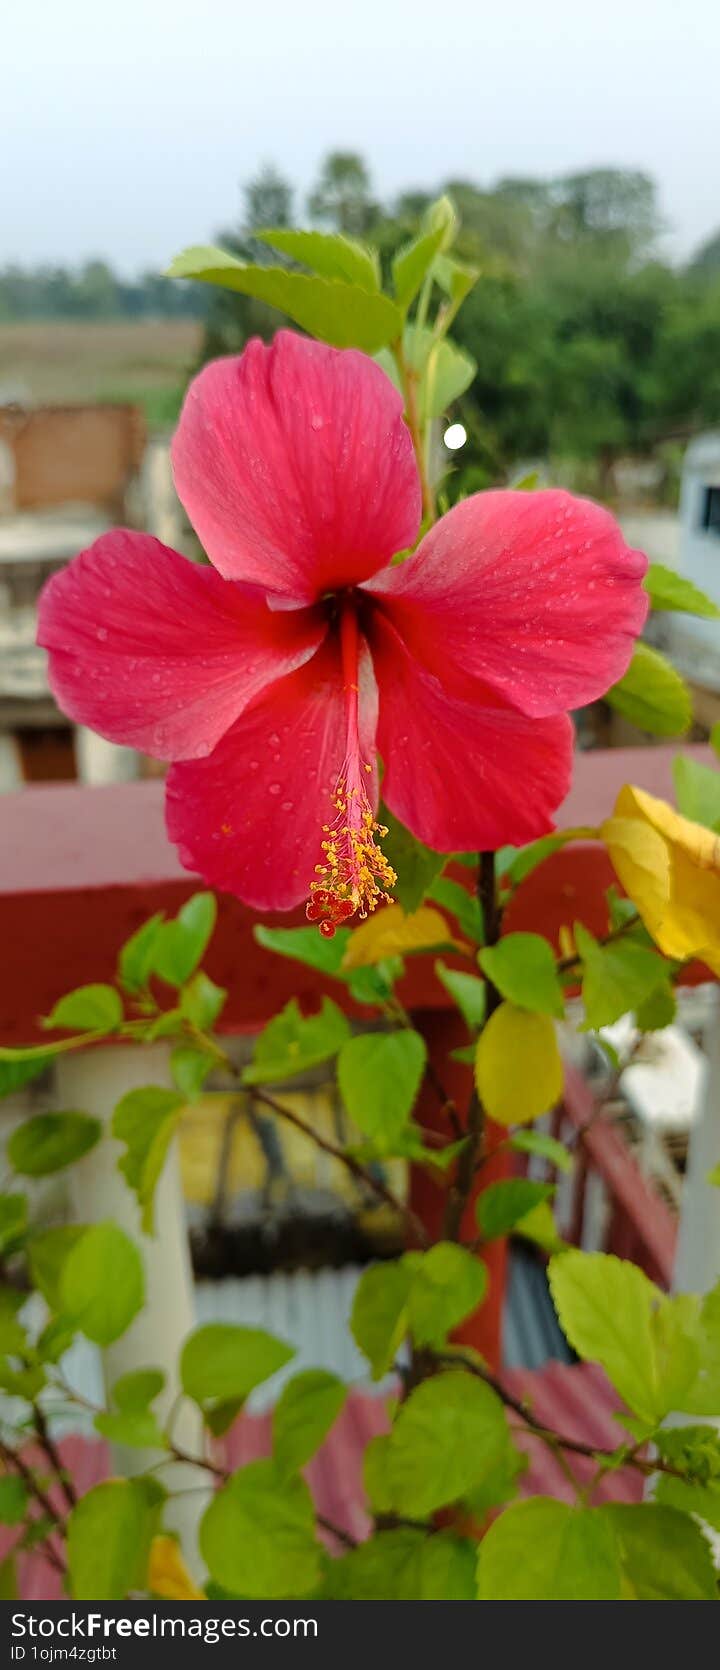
x=274 y=788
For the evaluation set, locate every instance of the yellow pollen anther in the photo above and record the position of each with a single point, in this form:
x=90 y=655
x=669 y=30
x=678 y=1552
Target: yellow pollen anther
x=356 y=875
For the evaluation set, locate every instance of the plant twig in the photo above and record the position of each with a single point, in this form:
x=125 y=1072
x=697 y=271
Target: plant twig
x=557 y=1440
x=56 y=1461
x=409 y=381
x=358 y=1170
x=13 y=1459
x=459 y=1195
x=224 y=1473
x=565 y=965
x=353 y=1165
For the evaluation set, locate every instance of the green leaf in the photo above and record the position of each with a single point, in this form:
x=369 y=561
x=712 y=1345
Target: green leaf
x=500 y=1484
x=87 y=1009
x=378 y=1321
x=15 y=1073
x=13 y=1220
x=257 y=1537
x=668 y=590
x=292 y=1042
x=703 y=1395
x=47 y=1254
x=456 y=278
x=307 y=1408
x=374 y=984
x=464 y=906
x=342 y=314
x=379 y=1075
x=411 y=1146
x=306 y=945
x=14 y=1499
x=658 y=1010
x=448 y=373
x=522 y=967
x=145 y=1120
x=448 y=1283
x=617 y=978
x=413 y=262
x=502 y=1205
x=55 y=1339
x=697 y=791
x=414 y=864
x=51 y=1141
x=8 y=1577
x=613 y=1315
x=222 y=1362
x=538 y=1226
x=518 y=1067
x=329 y=254
x=138 y=1389
x=714 y=738
x=652 y=695
x=202 y=1002
x=108 y=1539
x=404 y=1565
x=546 y=1147
x=139 y=1429
x=690 y=1498
x=695 y=1451
x=467 y=991
x=545 y=1550
x=180 y=945
x=102 y=1283
x=136 y=956
x=519 y=862
x=13 y=1339
x=664 y=1555
x=446 y=1438
x=25 y=1383
x=190 y=1068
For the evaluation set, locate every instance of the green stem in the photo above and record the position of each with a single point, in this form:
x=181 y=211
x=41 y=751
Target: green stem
x=459 y=1195
x=409 y=382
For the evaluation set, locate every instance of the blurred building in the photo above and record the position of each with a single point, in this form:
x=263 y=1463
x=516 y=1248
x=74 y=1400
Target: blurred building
x=67 y=473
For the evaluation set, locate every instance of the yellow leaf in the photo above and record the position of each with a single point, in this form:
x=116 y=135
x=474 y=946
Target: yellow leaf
x=518 y=1069
x=670 y=868
x=168 y=1576
x=390 y=933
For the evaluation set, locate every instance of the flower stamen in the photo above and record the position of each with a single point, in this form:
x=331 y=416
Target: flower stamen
x=354 y=876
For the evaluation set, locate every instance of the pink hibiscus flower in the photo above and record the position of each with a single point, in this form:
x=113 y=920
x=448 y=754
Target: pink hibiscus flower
x=273 y=678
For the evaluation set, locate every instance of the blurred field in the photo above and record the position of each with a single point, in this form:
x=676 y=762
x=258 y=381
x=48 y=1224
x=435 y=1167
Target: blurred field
x=144 y=361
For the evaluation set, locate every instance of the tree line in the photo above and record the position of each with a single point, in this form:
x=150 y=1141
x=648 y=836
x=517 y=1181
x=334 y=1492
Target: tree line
x=92 y=291
x=589 y=344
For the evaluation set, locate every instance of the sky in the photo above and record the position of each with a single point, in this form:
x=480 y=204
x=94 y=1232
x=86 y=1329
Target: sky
x=127 y=132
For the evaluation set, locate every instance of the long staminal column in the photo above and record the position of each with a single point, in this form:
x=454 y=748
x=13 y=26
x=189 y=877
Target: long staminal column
x=354 y=875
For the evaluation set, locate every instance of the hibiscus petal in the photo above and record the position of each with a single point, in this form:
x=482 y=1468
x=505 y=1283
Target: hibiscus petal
x=158 y=652
x=535 y=594
x=296 y=468
x=464 y=776
x=249 y=819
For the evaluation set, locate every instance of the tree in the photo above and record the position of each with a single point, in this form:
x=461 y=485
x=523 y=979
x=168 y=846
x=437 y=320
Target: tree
x=341 y=196
x=268 y=199
x=706 y=260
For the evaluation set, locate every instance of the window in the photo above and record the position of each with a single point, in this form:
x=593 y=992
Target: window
x=710 y=510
